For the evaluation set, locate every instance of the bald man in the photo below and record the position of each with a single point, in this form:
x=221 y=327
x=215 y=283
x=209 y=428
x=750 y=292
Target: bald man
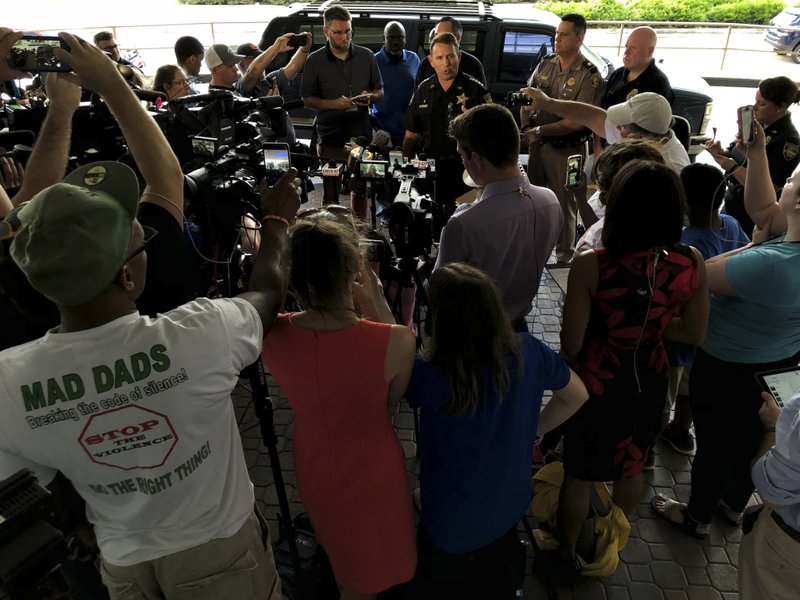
x=639 y=72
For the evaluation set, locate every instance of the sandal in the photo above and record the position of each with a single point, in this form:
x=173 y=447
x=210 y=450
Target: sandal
x=666 y=508
x=727 y=515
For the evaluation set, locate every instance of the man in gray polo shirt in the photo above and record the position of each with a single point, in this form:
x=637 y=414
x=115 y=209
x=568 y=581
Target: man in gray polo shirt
x=341 y=80
x=511 y=229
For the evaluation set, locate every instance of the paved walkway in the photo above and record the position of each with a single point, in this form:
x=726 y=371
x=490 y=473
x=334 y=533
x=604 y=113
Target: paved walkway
x=658 y=563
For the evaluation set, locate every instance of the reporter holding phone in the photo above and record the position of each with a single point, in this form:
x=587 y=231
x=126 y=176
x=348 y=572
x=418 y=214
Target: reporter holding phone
x=754 y=326
x=771 y=109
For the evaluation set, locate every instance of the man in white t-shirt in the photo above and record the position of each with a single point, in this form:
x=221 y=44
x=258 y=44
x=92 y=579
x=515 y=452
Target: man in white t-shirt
x=136 y=411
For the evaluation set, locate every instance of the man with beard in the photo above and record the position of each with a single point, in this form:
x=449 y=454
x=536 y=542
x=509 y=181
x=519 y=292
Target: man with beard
x=341 y=80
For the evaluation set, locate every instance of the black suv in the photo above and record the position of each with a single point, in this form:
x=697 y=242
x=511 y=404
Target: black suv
x=509 y=40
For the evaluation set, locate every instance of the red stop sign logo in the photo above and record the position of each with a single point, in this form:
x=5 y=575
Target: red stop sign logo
x=130 y=437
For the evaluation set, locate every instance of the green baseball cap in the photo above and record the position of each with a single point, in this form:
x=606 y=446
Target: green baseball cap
x=74 y=236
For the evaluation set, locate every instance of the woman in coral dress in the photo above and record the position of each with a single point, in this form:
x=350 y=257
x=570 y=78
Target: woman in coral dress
x=340 y=374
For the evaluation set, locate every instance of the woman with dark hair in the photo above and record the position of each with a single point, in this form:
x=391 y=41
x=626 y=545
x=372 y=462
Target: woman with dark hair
x=754 y=326
x=340 y=373
x=771 y=109
x=172 y=81
x=479 y=386
x=622 y=302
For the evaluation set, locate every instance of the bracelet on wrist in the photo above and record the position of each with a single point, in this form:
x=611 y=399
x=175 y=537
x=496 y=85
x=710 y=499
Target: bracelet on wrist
x=769 y=430
x=277 y=218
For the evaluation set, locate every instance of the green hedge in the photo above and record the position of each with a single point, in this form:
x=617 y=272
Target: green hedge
x=757 y=12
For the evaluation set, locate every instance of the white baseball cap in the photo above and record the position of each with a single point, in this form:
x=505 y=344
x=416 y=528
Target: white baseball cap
x=648 y=110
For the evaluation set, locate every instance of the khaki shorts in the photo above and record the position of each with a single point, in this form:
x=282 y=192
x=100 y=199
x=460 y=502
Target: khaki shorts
x=240 y=567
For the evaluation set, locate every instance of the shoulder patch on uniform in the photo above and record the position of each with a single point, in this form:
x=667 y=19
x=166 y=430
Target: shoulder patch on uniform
x=790 y=150
x=589 y=65
x=596 y=80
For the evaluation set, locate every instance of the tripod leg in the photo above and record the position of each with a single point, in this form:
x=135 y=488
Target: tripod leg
x=263 y=409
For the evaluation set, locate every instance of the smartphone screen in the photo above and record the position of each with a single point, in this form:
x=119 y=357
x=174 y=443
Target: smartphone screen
x=746 y=124
x=396 y=157
x=276 y=157
x=781 y=383
x=574 y=166
x=34 y=53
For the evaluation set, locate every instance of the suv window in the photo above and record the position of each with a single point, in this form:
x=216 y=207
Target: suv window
x=472 y=41
x=522 y=51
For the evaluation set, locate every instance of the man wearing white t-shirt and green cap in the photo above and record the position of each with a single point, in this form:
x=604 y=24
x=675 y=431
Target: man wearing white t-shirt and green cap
x=136 y=411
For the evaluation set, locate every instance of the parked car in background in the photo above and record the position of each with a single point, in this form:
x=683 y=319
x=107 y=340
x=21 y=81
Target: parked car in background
x=781 y=36
x=510 y=40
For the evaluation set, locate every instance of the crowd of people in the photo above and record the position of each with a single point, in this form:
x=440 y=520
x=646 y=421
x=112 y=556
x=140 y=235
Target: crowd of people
x=119 y=397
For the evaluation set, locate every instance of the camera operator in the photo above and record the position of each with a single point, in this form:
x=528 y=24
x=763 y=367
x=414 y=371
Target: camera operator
x=510 y=230
x=436 y=102
x=181 y=515
x=222 y=62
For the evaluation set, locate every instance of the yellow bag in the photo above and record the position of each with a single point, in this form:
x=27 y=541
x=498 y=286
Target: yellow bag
x=610 y=525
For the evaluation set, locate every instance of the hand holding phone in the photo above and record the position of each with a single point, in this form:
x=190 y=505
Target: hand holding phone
x=574 y=168
x=34 y=54
x=781 y=384
x=746 y=121
x=298 y=40
x=361 y=99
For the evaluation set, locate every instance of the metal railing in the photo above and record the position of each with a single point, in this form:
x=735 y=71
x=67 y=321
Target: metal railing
x=724 y=28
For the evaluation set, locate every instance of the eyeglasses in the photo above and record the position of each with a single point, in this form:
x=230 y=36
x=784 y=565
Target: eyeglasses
x=150 y=234
x=181 y=82
x=346 y=32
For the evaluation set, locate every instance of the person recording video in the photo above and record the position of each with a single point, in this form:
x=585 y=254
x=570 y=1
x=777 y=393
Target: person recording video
x=144 y=427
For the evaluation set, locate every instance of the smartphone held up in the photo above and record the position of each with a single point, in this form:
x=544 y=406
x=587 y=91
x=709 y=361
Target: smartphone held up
x=34 y=54
x=747 y=127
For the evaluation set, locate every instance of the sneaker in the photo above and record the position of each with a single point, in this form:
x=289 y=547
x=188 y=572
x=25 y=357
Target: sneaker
x=681 y=441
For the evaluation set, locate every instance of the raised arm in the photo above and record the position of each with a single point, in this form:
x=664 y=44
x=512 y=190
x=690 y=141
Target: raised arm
x=298 y=59
x=577 y=114
x=148 y=146
x=261 y=62
x=48 y=162
x=760 y=200
x=268 y=279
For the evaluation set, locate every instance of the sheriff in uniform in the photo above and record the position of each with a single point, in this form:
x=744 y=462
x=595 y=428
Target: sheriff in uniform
x=437 y=101
x=565 y=75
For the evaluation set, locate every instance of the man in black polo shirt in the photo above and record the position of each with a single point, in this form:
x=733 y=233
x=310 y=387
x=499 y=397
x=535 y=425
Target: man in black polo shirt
x=341 y=80
x=469 y=63
x=436 y=102
x=639 y=72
